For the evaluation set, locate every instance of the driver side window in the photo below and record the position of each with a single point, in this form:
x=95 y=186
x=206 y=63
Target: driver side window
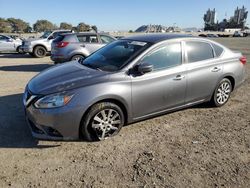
x=164 y=57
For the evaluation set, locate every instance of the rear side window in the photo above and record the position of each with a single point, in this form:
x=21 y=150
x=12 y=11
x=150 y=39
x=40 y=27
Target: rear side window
x=58 y=39
x=218 y=50
x=165 y=57
x=106 y=39
x=198 y=51
x=87 y=38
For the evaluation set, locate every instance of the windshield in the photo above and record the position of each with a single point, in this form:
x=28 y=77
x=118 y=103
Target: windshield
x=115 y=55
x=46 y=34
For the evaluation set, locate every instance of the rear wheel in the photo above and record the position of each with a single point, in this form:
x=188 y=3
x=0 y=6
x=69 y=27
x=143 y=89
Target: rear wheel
x=39 y=51
x=77 y=57
x=103 y=120
x=222 y=93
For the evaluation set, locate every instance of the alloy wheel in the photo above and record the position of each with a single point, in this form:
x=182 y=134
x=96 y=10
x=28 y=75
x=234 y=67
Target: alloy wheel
x=223 y=93
x=106 y=123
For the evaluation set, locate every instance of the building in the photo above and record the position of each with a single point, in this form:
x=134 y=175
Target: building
x=210 y=17
x=235 y=22
x=240 y=16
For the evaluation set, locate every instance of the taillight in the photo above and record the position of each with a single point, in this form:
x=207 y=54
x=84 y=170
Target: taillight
x=243 y=60
x=61 y=44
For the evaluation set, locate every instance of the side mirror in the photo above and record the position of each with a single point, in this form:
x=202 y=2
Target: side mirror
x=50 y=37
x=145 y=68
x=10 y=40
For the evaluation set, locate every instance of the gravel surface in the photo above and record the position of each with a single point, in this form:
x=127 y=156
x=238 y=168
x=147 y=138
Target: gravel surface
x=195 y=147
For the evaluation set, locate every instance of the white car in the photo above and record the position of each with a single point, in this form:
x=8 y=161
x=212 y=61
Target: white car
x=39 y=47
x=8 y=44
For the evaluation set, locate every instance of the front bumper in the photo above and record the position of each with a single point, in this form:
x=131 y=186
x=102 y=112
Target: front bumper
x=54 y=124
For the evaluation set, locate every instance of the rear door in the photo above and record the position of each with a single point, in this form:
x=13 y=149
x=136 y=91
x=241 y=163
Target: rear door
x=93 y=43
x=203 y=70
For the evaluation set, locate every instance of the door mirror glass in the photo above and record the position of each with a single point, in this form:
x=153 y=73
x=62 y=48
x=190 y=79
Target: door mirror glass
x=50 y=37
x=145 y=68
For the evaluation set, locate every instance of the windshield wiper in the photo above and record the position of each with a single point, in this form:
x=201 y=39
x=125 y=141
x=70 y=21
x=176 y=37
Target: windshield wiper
x=92 y=67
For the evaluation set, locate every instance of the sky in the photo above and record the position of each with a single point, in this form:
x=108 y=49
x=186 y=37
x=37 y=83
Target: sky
x=112 y=15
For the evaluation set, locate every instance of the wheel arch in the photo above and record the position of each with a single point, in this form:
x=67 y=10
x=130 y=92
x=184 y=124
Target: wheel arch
x=39 y=45
x=108 y=99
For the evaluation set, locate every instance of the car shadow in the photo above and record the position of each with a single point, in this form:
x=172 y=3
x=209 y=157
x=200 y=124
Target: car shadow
x=26 y=68
x=14 y=55
x=14 y=132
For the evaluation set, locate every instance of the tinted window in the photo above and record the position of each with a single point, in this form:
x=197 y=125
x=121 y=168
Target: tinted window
x=3 y=37
x=58 y=39
x=82 y=38
x=87 y=38
x=198 y=51
x=218 y=50
x=106 y=39
x=167 y=56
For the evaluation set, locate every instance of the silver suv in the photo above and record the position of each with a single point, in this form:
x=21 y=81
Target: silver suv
x=8 y=44
x=73 y=46
x=41 y=46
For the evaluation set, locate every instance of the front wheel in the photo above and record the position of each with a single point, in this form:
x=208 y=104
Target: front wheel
x=103 y=120
x=222 y=93
x=39 y=52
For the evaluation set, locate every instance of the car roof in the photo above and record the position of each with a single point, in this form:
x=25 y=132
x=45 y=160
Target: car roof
x=80 y=33
x=155 y=38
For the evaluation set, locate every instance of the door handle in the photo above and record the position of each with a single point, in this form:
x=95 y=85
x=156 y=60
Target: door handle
x=179 y=77
x=216 y=69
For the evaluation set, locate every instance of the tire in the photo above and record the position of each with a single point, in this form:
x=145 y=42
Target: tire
x=77 y=57
x=93 y=128
x=222 y=93
x=39 y=51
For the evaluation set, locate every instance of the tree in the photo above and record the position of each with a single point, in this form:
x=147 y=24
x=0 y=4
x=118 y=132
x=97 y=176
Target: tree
x=18 y=25
x=5 y=26
x=82 y=27
x=94 y=28
x=43 y=25
x=64 y=25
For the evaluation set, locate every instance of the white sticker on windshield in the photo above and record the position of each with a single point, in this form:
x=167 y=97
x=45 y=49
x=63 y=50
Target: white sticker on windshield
x=138 y=43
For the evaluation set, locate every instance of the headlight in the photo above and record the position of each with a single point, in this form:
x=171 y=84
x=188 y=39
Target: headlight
x=54 y=100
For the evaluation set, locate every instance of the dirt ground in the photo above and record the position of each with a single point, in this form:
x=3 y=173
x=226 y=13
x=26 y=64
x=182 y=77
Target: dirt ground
x=196 y=147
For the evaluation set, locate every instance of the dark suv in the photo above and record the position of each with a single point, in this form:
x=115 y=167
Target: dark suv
x=73 y=46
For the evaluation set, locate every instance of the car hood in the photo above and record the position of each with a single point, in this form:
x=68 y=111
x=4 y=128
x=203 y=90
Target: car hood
x=35 y=40
x=65 y=77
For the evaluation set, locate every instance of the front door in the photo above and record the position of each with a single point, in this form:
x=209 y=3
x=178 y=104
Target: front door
x=165 y=86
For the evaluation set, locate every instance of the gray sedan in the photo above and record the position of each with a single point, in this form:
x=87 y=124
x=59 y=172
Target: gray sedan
x=130 y=80
x=8 y=44
x=73 y=46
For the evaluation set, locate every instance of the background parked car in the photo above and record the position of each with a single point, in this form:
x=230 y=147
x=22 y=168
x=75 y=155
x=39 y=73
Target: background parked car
x=41 y=46
x=74 y=46
x=8 y=44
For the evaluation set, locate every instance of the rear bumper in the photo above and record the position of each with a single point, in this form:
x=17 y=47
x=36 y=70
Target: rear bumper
x=59 y=58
